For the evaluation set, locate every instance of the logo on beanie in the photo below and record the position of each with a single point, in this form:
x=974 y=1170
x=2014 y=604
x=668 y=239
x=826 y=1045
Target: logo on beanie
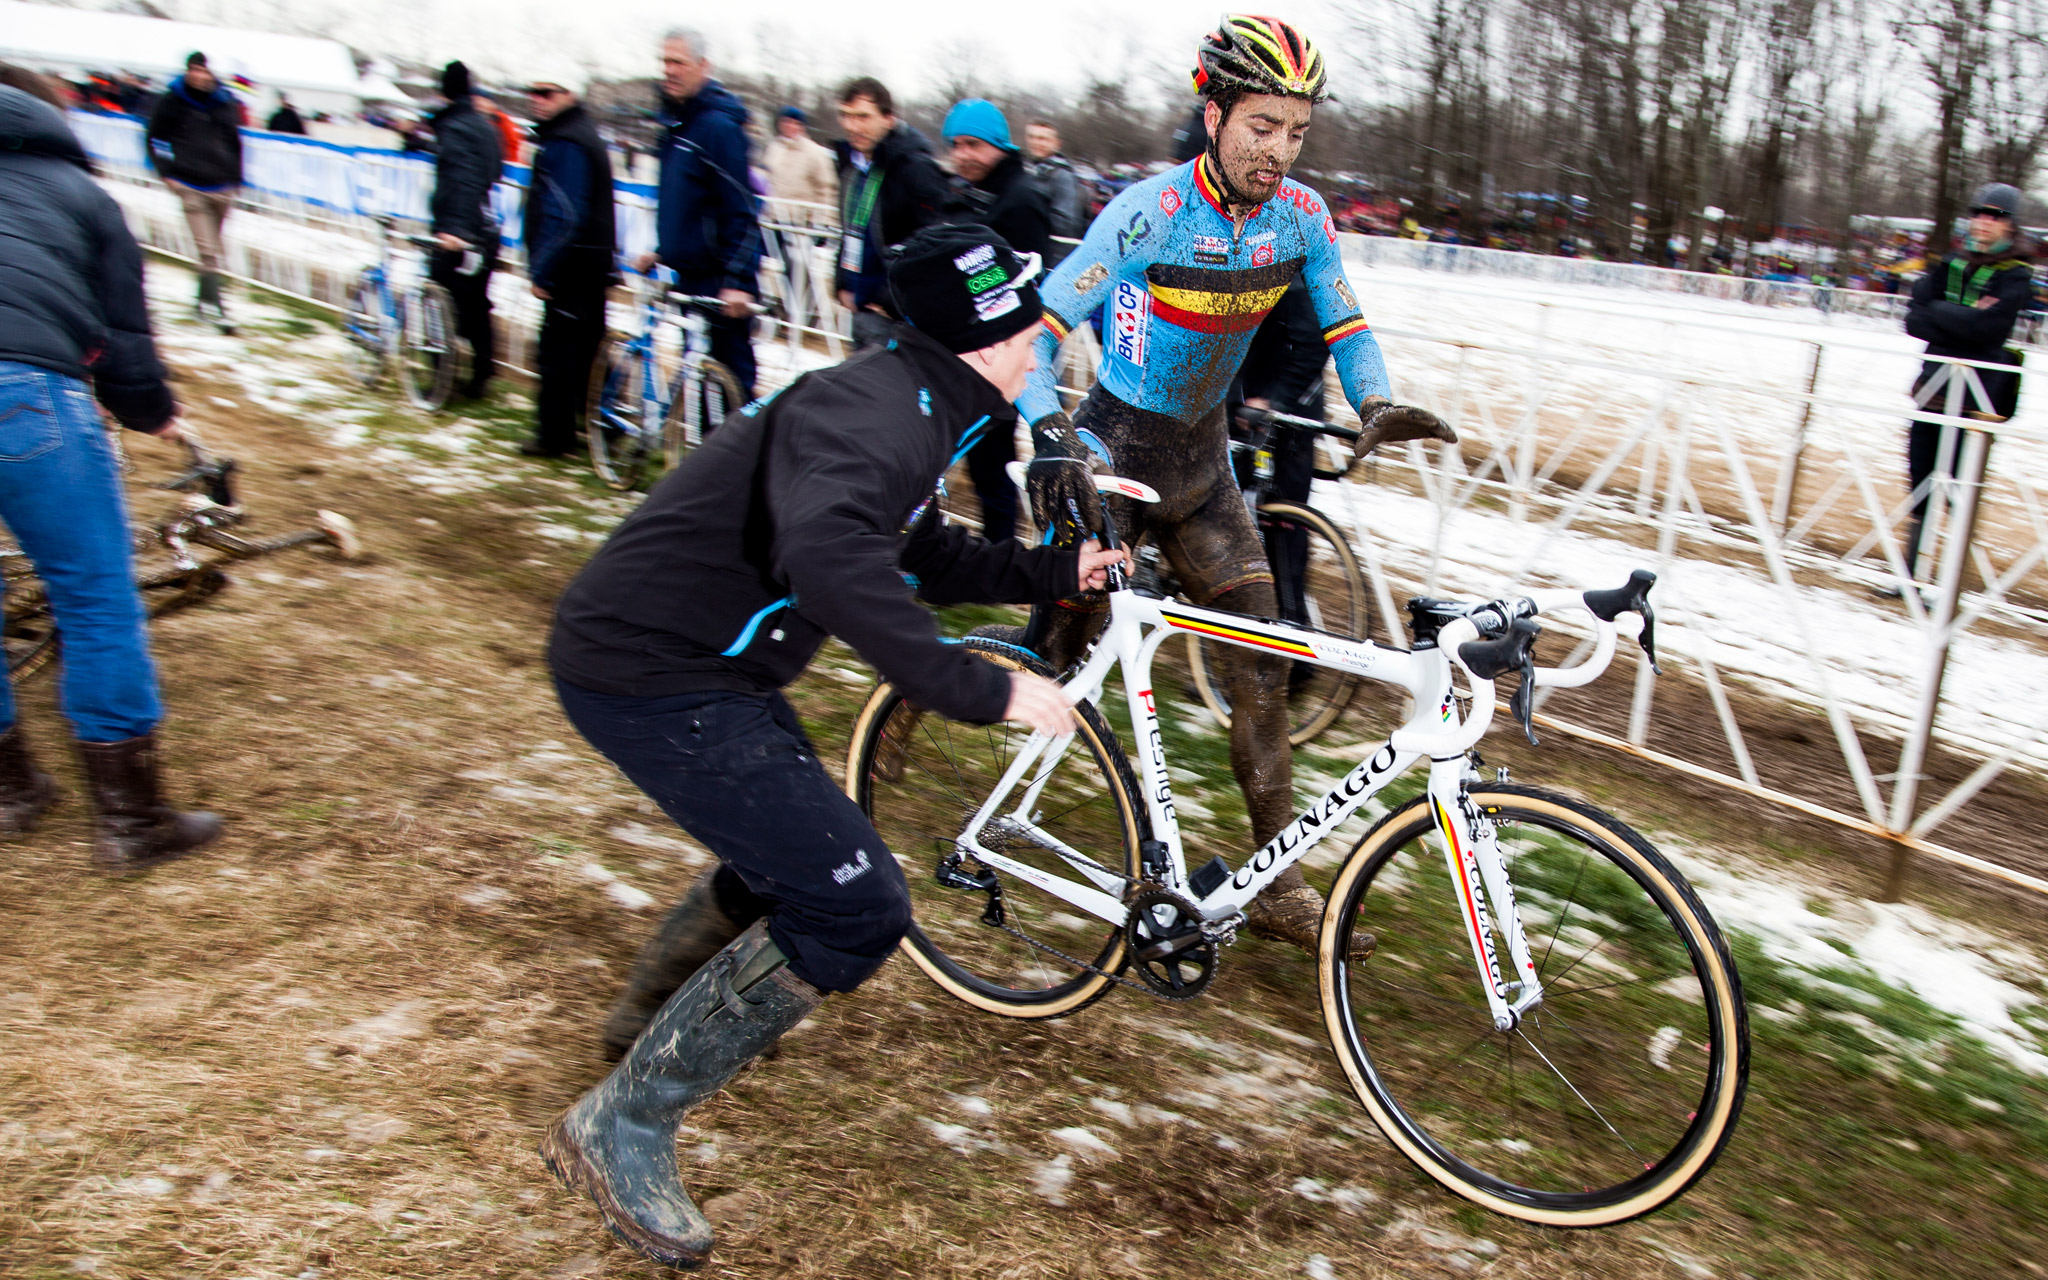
x=975 y=259
x=996 y=304
x=984 y=281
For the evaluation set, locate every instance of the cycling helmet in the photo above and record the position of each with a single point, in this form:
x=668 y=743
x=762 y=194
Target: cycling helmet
x=1259 y=55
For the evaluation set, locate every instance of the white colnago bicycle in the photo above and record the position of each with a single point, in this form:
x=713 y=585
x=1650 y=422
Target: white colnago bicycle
x=1550 y=1024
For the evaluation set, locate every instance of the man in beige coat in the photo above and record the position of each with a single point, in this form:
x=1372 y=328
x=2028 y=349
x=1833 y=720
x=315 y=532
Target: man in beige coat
x=800 y=169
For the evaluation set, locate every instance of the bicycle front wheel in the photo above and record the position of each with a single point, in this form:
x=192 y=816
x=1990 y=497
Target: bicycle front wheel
x=1319 y=585
x=363 y=325
x=920 y=777
x=620 y=445
x=1603 y=1102
x=28 y=628
x=697 y=406
x=430 y=355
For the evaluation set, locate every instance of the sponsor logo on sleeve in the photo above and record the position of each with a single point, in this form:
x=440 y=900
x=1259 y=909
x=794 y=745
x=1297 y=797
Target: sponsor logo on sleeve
x=1128 y=318
x=1090 y=278
x=1169 y=202
x=1344 y=292
x=1135 y=230
x=1329 y=229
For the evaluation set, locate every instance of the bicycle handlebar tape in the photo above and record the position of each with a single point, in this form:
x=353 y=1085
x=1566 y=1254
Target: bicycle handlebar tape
x=1633 y=598
x=1513 y=651
x=965 y=287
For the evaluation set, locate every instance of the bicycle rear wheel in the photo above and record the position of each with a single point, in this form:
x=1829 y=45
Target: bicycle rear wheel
x=430 y=352
x=27 y=627
x=697 y=405
x=1605 y=1101
x=620 y=445
x=363 y=325
x=1328 y=594
x=920 y=777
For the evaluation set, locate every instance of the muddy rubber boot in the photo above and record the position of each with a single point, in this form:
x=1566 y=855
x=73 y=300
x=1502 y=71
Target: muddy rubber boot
x=132 y=827
x=695 y=931
x=617 y=1143
x=1291 y=911
x=26 y=792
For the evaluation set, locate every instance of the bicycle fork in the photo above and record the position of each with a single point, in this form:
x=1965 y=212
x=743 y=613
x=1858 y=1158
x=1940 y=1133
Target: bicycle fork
x=1486 y=896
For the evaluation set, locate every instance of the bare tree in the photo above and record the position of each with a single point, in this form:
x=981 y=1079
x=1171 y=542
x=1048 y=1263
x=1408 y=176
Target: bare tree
x=1948 y=39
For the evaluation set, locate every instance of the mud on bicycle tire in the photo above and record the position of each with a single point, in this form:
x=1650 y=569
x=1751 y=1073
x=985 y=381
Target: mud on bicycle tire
x=1659 y=1043
x=430 y=353
x=1342 y=606
x=921 y=810
x=620 y=459
x=697 y=406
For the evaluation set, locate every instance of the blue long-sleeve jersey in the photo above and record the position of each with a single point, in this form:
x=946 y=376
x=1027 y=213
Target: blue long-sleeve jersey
x=1185 y=288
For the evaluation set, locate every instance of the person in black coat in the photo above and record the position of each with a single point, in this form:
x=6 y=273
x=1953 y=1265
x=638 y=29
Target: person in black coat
x=72 y=312
x=1965 y=306
x=994 y=189
x=569 y=237
x=889 y=187
x=808 y=515
x=195 y=145
x=1283 y=372
x=468 y=157
x=286 y=118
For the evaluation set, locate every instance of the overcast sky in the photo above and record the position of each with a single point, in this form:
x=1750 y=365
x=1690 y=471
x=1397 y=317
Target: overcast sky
x=910 y=44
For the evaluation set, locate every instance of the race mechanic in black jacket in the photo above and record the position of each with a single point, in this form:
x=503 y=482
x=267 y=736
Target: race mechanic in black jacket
x=812 y=513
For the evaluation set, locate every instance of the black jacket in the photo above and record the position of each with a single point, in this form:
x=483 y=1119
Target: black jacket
x=197 y=139
x=286 y=120
x=909 y=192
x=467 y=160
x=1943 y=311
x=1009 y=202
x=568 y=217
x=802 y=517
x=1285 y=362
x=70 y=274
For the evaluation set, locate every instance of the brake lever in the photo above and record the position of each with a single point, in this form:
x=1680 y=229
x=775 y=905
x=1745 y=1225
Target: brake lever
x=1513 y=651
x=1633 y=598
x=1523 y=701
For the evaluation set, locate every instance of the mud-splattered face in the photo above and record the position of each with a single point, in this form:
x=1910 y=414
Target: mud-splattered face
x=1259 y=142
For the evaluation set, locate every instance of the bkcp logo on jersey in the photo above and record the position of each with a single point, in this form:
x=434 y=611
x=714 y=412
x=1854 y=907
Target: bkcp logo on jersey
x=1169 y=202
x=1262 y=256
x=1127 y=320
x=1214 y=250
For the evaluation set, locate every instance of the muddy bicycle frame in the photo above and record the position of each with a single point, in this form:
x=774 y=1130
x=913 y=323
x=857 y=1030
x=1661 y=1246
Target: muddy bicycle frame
x=1139 y=624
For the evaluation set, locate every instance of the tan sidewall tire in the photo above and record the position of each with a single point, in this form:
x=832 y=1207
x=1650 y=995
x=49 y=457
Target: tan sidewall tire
x=1726 y=1103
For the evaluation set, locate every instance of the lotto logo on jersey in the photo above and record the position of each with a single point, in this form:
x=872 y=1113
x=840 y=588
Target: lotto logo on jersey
x=1169 y=202
x=1262 y=256
x=1127 y=321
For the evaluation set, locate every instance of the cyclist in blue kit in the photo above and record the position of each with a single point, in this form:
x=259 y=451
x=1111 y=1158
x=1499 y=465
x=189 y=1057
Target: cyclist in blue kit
x=1185 y=266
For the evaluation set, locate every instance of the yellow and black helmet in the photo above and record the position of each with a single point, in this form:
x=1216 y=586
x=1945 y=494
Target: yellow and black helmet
x=1260 y=55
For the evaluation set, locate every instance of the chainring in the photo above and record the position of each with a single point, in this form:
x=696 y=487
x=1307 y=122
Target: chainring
x=1167 y=945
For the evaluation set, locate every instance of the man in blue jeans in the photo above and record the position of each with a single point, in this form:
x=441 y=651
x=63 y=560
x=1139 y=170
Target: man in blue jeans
x=72 y=308
x=812 y=514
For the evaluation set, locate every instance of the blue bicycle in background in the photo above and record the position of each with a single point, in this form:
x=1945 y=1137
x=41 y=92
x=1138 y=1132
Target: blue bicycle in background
x=411 y=326
x=641 y=419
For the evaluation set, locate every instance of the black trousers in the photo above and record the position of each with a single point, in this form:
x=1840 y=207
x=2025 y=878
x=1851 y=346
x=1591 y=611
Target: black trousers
x=732 y=345
x=1923 y=452
x=471 y=295
x=736 y=771
x=992 y=485
x=571 y=331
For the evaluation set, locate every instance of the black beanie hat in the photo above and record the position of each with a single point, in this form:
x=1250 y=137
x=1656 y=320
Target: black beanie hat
x=963 y=286
x=454 y=81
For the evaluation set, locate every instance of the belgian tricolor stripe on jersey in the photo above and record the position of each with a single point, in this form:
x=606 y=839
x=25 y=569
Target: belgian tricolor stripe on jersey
x=1057 y=327
x=1275 y=643
x=1343 y=329
x=1211 y=190
x=1218 y=299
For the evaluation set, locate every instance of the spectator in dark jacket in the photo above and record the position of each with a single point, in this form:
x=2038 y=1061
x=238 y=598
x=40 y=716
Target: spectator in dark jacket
x=195 y=144
x=569 y=253
x=995 y=191
x=708 y=221
x=468 y=158
x=286 y=118
x=1283 y=371
x=804 y=518
x=1965 y=306
x=889 y=186
x=1063 y=190
x=72 y=313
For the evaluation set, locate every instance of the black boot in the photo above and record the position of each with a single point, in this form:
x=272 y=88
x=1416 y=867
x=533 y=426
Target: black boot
x=695 y=931
x=132 y=827
x=25 y=791
x=617 y=1144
